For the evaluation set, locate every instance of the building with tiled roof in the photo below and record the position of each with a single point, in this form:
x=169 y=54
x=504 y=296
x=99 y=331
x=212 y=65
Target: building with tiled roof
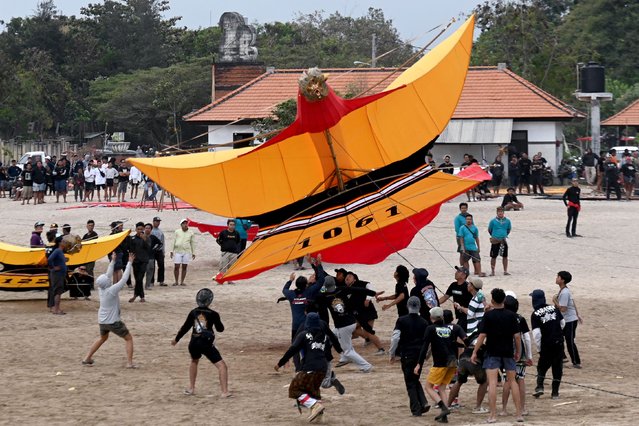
x=497 y=108
x=629 y=116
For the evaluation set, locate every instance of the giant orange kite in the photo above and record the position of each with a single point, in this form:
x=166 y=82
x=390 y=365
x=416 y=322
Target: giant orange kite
x=346 y=179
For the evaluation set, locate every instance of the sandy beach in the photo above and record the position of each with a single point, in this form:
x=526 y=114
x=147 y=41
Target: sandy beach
x=43 y=379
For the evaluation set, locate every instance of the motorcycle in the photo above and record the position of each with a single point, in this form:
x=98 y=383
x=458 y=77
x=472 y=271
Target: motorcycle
x=547 y=177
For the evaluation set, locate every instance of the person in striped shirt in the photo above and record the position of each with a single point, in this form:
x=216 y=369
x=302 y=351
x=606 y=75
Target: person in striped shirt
x=476 y=307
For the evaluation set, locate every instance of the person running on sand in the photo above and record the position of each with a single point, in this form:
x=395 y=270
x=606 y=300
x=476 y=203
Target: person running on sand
x=109 y=312
x=201 y=320
x=305 y=386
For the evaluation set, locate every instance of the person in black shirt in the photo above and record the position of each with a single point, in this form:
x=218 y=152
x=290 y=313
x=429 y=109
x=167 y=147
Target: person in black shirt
x=498 y=329
x=458 y=290
x=524 y=165
x=443 y=340
x=447 y=166
x=497 y=170
x=424 y=290
x=334 y=300
x=537 y=169
x=589 y=160
x=628 y=173
x=547 y=322
x=229 y=242
x=513 y=171
x=90 y=235
x=27 y=183
x=305 y=386
x=140 y=244
x=60 y=176
x=612 y=179
x=201 y=320
x=406 y=342
x=510 y=201
x=400 y=298
x=364 y=311
x=572 y=201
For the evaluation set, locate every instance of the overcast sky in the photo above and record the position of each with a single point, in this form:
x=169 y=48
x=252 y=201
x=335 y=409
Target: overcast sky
x=411 y=18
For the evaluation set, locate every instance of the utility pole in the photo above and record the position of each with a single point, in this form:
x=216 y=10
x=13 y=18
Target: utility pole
x=374 y=52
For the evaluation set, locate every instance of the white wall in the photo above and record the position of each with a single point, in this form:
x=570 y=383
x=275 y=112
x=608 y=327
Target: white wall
x=543 y=136
x=221 y=134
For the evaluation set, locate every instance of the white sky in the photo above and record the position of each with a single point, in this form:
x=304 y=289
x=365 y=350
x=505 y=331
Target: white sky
x=411 y=18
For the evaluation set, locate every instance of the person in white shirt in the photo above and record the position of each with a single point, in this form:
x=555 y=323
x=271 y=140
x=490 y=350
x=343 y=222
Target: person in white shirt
x=135 y=177
x=100 y=180
x=111 y=173
x=89 y=181
x=109 y=312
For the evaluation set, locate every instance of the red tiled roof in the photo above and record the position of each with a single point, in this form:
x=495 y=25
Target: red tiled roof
x=488 y=93
x=629 y=116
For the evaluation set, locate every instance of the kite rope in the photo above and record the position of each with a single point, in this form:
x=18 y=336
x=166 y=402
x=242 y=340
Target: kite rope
x=590 y=387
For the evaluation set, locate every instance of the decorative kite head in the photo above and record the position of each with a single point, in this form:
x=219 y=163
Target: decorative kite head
x=73 y=243
x=313 y=85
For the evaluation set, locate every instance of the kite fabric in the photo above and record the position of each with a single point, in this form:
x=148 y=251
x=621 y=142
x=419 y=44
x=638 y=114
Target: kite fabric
x=364 y=135
x=366 y=230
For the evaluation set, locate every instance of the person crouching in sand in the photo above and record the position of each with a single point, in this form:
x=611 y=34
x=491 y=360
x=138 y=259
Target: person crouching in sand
x=201 y=320
x=109 y=312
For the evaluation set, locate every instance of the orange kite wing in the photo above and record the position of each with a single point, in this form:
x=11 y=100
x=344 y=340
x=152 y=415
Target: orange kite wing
x=366 y=230
x=390 y=128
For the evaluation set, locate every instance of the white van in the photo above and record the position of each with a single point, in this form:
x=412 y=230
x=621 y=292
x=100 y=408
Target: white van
x=35 y=156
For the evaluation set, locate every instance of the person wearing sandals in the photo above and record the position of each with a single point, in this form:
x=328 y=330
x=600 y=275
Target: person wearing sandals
x=109 y=312
x=468 y=236
x=201 y=320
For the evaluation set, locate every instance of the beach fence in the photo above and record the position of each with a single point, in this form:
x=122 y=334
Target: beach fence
x=13 y=150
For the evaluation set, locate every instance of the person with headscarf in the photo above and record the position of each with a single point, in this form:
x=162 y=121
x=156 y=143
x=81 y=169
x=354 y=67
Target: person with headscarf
x=305 y=386
x=406 y=342
x=201 y=320
x=547 y=323
x=424 y=290
x=109 y=312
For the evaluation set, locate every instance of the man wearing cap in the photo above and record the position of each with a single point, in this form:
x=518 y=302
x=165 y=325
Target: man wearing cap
x=109 y=312
x=159 y=254
x=458 y=290
x=498 y=329
x=547 y=323
x=406 y=342
x=36 y=235
x=54 y=227
x=424 y=290
x=140 y=245
x=442 y=340
x=183 y=251
x=340 y=277
x=333 y=299
x=476 y=307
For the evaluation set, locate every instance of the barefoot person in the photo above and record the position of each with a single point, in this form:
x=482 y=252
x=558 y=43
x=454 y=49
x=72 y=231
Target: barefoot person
x=109 y=312
x=58 y=275
x=201 y=320
x=468 y=236
x=305 y=386
x=183 y=251
x=499 y=229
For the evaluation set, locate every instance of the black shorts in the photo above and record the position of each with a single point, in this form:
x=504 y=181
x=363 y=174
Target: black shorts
x=524 y=179
x=496 y=181
x=494 y=250
x=57 y=282
x=89 y=186
x=109 y=183
x=197 y=348
x=99 y=187
x=467 y=368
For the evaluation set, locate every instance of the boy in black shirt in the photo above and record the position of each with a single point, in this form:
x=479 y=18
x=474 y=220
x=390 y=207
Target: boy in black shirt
x=229 y=242
x=443 y=341
x=547 y=323
x=498 y=329
x=572 y=201
x=305 y=386
x=201 y=320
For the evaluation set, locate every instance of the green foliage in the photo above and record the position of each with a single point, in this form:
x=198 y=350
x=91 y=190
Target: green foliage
x=333 y=41
x=282 y=116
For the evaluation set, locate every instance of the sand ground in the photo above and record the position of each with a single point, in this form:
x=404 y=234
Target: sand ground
x=43 y=380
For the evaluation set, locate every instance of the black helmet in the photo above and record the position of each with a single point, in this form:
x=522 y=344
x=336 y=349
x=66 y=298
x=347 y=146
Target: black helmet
x=204 y=298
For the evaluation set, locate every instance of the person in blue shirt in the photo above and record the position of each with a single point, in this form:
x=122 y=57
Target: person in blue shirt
x=242 y=226
x=459 y=221
x=468 y=238
x=305 y=291
x=58 y=275
x=499 y=229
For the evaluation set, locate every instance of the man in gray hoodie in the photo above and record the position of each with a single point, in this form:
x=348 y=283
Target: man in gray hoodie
x=109 y=312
